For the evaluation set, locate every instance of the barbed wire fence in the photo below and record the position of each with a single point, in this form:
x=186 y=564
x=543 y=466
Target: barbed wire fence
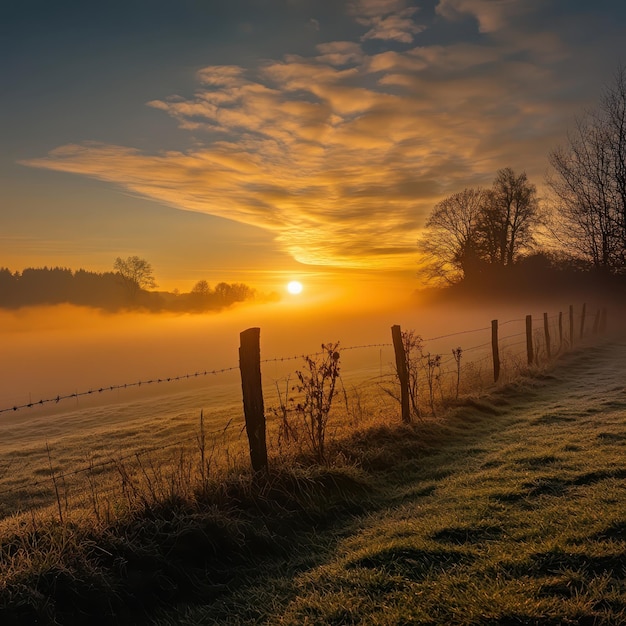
x=42 y=489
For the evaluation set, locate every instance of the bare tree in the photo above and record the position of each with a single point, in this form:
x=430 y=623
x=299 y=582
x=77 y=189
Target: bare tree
x=475 y=228
x=449 y=243
x=136 y=274
x=509 y=219
x=588 y=182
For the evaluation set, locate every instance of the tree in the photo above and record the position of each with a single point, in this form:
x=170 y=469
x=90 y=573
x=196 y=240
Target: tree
x=471 y=230
x=136 y=274
x=509 y=218
x=229 y=293
x=450 y=244
x=200 y=295
x=588 y=182
x=201 y=289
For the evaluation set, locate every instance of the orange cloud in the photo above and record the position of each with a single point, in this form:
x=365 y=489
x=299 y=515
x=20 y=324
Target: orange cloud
x=343 y=154
x=339 y=53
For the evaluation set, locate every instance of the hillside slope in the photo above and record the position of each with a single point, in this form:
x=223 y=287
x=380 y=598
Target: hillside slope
x=520 y=521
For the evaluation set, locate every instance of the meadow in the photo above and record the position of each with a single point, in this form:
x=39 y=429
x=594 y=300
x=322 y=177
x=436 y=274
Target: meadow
x=87 y=438
x=513 y=512
x=150 y=499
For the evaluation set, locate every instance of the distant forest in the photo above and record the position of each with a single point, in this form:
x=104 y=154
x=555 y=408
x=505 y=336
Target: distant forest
x=110 y=291
x=536 y=275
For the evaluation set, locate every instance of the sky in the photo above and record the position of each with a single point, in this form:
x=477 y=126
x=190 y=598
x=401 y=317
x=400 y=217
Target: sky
x=267 y=140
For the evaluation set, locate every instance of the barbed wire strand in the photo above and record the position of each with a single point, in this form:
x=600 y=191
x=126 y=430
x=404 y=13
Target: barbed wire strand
x=77 y=394
x=222 y=431
x=280 y=359
x=108 y=388
x=461 y=332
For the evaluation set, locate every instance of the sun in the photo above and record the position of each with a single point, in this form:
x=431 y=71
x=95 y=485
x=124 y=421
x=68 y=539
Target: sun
x=294 y=287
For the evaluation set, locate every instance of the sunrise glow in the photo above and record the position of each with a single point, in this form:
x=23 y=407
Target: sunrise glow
x=295 y=287
x=258 y=256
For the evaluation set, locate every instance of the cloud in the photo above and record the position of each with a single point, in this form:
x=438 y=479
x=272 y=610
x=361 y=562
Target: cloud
x=491 y=15
x=343 y=154
x=398 y=27
x=375 y=8
x=340 y=53
x=387 y=20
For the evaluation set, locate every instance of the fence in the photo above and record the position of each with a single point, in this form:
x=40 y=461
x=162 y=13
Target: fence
x=503 y=349
x=250 y=365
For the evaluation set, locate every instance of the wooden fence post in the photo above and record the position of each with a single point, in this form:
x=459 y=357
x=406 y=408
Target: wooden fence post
x=546 y=332
x=603 y=321
x=571 y=326
x=254 y=411
x=403 y=373
x=560 y=330
x=582 y=320
x=495 y=349
x=529 y=339
x=596 y=322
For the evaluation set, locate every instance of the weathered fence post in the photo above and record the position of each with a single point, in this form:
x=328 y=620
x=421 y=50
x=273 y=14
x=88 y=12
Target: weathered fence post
x=596 y=322
x=403 y=373
x=495 y=349
x=560 y=330
x=529 y=339
x=582 y=320
x=603 y=321
x=254 y=411
x=546 y=332
x=571 y=326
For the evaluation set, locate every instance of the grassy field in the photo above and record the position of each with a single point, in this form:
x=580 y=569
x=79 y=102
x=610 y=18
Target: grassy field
x=510 y=510
x=515 y=515
x=83 y=441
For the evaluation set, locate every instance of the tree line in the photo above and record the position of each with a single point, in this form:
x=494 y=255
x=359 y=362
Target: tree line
x=126 y=287
x=489 y=236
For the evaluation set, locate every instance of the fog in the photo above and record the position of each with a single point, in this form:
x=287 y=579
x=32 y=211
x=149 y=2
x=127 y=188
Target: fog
x=64 y=350
x=50 y=351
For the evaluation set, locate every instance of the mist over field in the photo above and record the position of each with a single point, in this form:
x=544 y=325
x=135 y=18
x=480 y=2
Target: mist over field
x=87 y=358
x=50 y=351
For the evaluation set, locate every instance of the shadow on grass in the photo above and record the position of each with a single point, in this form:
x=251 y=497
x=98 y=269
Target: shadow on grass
x=223 y=538
x=461 y=535
x=413 y=563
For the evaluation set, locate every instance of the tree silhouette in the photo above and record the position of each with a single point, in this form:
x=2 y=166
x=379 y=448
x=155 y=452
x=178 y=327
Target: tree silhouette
x=201 y=288
x=589 y=182
x=474 y=230
x=38 y=286
x=509 y=218
x=450 y=245
x=136 y=274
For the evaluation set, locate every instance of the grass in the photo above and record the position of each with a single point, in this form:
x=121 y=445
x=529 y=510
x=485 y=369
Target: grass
x=84 y=444
x=510 y=510
x=517 y=518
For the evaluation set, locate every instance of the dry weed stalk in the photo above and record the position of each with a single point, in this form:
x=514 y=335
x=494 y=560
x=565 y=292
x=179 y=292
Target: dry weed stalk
x=317 y=384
